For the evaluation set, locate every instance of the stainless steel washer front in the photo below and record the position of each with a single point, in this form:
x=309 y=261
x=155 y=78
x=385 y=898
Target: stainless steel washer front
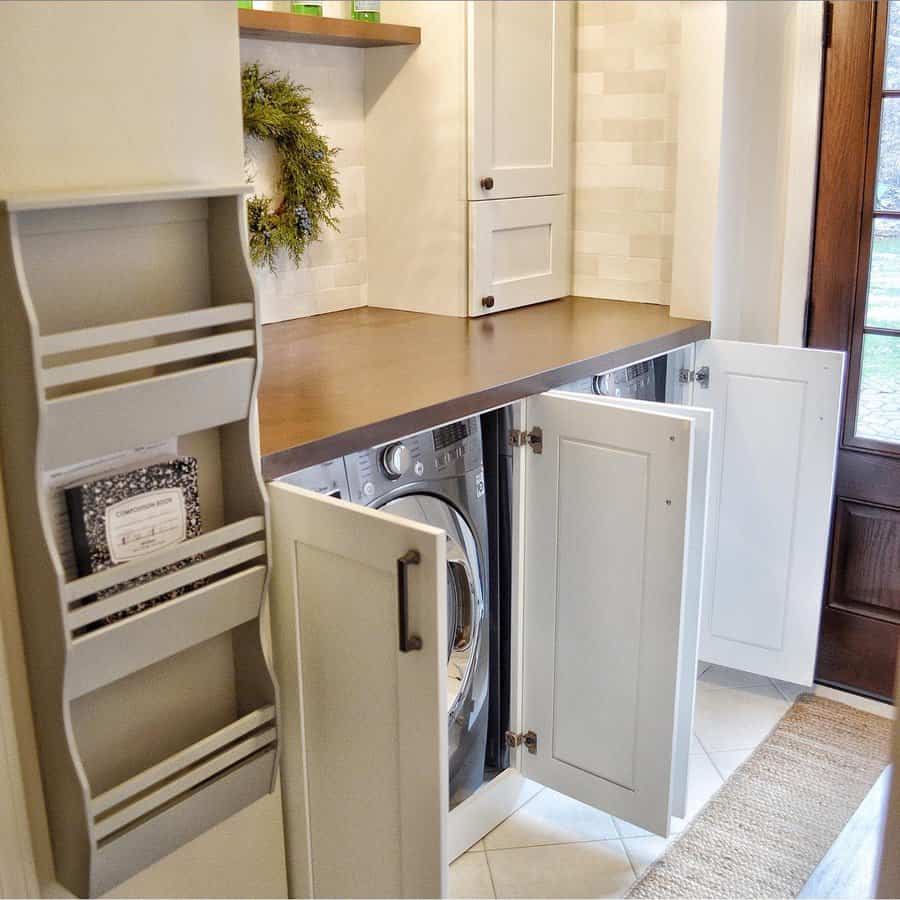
x=465 y=601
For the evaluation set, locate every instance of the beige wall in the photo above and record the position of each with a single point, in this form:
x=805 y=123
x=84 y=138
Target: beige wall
x=118 y=94
x=625 y=145
x=746 y=169
x=332 y=274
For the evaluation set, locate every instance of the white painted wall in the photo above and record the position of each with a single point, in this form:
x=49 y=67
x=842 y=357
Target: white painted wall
x=698 y=157
x=746 y=181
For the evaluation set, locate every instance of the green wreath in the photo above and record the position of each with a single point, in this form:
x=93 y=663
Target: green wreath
x=276 y=109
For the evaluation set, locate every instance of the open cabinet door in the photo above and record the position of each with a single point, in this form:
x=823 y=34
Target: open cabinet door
x=693 y=584
x=364 y=723
x=605 y=534
x=771 y=482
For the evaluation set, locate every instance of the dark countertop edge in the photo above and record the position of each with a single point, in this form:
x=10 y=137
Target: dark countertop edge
x=283 y=462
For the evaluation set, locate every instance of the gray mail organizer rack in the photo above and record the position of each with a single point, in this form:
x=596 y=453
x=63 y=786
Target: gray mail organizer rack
x=130 y=319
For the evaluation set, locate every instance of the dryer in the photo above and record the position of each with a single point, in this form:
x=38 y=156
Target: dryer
x=437 y=478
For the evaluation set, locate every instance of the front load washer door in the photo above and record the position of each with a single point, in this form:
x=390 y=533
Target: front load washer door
x=467 y=639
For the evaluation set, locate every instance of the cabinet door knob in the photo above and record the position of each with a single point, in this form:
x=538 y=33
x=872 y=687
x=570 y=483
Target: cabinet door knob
x=487 y=183
x=488 y=301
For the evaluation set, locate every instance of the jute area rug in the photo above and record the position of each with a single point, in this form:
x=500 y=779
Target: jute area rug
x=771 y=823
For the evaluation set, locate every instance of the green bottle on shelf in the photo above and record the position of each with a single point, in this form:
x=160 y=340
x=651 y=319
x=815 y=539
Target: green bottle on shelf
x=366 y=10
x=307 y=9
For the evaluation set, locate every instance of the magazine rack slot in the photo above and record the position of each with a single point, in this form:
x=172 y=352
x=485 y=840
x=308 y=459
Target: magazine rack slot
x=147 y=841
x=118 y=649
x=203 y=543
x=158 y=326
x=98 y=610
x=171 y=789
x=166 y=769
x=57 y=376
x=100 y=421
x=131 y=319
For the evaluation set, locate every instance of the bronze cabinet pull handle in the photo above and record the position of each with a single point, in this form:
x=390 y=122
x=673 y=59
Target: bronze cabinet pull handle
x=408 y=641
x=487 y=183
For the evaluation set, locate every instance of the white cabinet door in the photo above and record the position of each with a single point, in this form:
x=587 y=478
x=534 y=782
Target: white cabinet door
x=518 y=253
x=771 y=481
x=520 y=85
x=364 y=753
x=606 y=530
x=693 y=583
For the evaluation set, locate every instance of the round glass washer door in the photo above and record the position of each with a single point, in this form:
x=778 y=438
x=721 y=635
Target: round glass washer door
x=465 y=602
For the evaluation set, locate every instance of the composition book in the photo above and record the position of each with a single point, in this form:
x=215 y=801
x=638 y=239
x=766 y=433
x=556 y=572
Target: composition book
x=126 y=516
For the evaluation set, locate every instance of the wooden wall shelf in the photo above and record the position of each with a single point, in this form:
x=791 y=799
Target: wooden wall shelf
x=279 y=26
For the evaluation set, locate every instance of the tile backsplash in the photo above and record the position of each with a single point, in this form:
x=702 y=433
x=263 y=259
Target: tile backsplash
x=332 y=274
x=625 y=148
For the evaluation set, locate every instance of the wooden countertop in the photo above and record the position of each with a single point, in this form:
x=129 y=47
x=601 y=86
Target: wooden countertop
x=340 y=382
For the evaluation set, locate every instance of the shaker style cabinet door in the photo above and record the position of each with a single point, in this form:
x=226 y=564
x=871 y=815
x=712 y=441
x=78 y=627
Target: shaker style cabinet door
x=771 y=478
x=520 y=79
x=518 y=253
x=693 y=581
x=607 y=527
x=364 y=775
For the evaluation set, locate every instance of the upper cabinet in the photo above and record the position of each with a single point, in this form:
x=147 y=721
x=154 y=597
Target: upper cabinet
x=480 y=112
x=520 y=85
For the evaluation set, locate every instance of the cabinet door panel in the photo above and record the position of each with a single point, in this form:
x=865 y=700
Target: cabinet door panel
x=771 y=482
x=520 y=64
x=364 y=729
x=518 y=253
x=607 y=506
x=693 y=583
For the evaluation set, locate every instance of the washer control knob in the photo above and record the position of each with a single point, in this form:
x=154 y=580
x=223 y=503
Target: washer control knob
x=395 y=460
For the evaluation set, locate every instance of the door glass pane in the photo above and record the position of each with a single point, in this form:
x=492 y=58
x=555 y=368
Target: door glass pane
x=892 y=56
x=878 y=413
x=883 y=306
x=887 y=187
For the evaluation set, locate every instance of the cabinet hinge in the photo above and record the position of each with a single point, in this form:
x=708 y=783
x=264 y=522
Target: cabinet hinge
x=533 y=439
x=701 y=376
x=529 y=739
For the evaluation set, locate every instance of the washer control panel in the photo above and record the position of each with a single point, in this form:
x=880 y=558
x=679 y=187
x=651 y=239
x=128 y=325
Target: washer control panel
x=444 y=452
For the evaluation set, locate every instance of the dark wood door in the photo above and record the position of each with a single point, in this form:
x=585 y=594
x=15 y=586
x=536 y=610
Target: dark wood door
x=855 y=306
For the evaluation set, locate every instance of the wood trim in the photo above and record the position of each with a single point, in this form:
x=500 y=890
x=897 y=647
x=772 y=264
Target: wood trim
x=867 y=213
x=853 y=636
x=345 y=381
x=279 y=26
x=842 y=161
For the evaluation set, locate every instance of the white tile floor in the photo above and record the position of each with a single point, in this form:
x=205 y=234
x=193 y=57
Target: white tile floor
x=557 y=847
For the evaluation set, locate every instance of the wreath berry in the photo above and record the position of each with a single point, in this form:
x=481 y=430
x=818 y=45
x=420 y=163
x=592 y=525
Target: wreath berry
x=277 y=109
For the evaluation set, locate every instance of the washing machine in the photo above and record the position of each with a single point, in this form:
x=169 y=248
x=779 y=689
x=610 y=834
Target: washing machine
x=437 y=478
x=641 y=381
